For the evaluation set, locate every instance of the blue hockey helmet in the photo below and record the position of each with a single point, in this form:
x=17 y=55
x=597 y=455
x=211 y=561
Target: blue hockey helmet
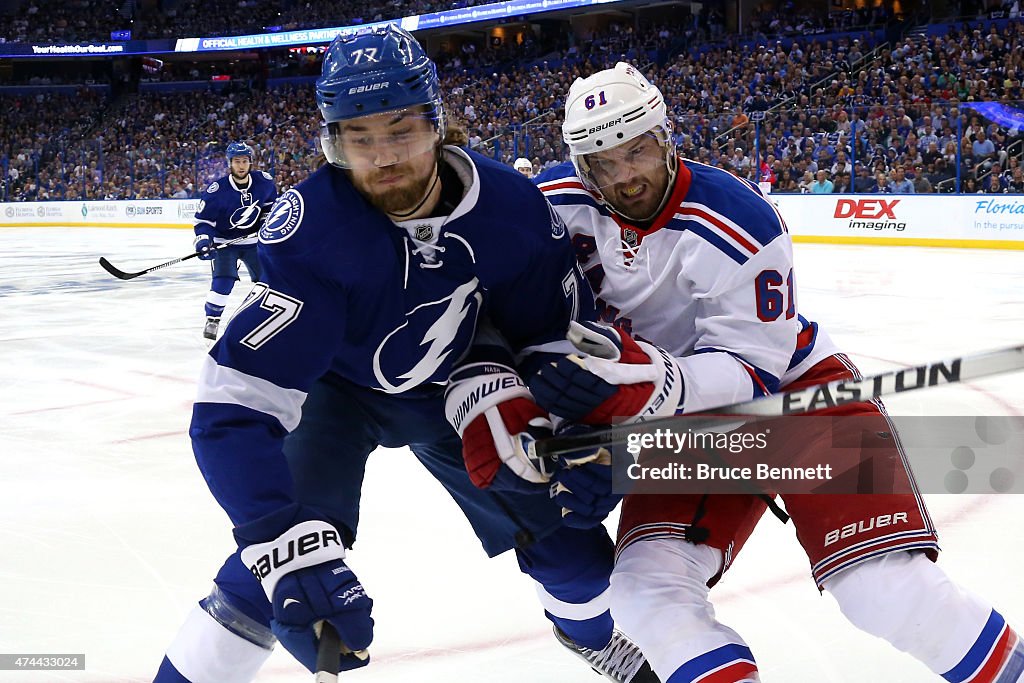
x=373 y=71
x=240 y=149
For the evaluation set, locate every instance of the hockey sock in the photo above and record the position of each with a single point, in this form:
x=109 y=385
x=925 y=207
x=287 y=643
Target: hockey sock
x=217 y=297
x=997 y=656
x=571 y=568
x=659 y=598
x=908 y=600
x=217 y=642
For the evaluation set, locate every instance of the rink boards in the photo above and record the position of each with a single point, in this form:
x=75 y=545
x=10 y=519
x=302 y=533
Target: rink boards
x=965 y=221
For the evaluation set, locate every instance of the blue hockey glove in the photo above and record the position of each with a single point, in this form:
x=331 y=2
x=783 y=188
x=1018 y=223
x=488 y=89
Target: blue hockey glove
x=582 y=486
x=497 y=419
x=204 y=247
x=304 y=575
x=613 y=379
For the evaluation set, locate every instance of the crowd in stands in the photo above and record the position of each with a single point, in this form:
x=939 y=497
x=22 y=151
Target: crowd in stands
x=63 y=21
x=838 y=114
x=80 y=20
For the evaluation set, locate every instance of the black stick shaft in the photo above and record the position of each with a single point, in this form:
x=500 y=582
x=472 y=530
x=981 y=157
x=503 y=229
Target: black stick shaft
x=327 y=655
x=123 y=275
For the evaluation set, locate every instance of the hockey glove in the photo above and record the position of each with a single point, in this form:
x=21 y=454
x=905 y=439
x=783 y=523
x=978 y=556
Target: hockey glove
x=204 y=247
x=492 y=410
x=247 y=218
x=614 y=379
x=304 y=575
x=583 y=487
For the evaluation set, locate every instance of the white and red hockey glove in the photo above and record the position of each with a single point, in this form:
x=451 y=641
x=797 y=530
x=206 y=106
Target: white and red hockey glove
x=614 y=379
x=492 y=410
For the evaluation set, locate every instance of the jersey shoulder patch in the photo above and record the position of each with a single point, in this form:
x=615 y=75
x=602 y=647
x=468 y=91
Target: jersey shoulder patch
x=267 y=175
x=284 y=218
x=214 y=186
x=558 y=229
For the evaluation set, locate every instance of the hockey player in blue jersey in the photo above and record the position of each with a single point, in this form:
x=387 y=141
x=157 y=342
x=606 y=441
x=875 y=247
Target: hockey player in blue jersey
x=231 y=207
x=397 y=260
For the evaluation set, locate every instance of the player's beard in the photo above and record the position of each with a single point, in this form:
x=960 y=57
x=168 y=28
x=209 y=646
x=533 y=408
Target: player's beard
x=398 y=197
x=240 y=178
x=645 y=206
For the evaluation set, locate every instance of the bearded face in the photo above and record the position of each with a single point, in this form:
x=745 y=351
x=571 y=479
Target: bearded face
x=391 y=158
x=632 y=177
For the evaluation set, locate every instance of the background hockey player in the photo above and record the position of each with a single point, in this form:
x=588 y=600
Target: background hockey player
x=231 y=207
x=377 y=270
x=695 y=261
x=523 y=165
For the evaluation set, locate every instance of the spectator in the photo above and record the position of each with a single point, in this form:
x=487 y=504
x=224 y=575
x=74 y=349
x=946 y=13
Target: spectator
x=921 y=183
x=842 y=184
x=994 y=185
x=900 y=184
x=983 y=150
x=1015 y=185
x=881 y=185
x=822 y=185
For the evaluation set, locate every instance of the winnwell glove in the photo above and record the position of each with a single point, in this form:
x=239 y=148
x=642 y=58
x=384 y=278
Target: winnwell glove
x=304 y=575
x=204 y=247
x=614 y=379
x=492 y=410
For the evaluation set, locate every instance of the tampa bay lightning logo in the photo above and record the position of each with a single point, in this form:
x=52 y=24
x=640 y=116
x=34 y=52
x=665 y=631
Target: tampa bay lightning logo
x=448 y=321
x=284 y=218
x=214 y=186
x=557 y=224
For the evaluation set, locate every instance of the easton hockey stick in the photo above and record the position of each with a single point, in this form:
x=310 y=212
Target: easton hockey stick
x=826 y=395
x=122 y=275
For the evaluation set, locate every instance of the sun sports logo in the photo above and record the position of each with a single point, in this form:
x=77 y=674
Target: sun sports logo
x=870 y=214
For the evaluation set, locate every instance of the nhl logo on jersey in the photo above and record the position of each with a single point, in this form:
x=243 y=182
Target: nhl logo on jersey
x=631 y=238
x=424 y=232
x=284 y=219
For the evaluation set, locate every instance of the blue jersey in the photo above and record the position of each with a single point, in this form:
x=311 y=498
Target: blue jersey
x=224 y=197
x=345 y=290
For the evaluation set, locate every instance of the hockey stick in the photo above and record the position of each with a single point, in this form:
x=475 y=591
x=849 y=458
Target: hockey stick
x=122 y=275
x=327 y=655
x=825 y=395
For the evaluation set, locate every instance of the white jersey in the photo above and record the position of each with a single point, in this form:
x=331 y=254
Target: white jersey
x=710 y=281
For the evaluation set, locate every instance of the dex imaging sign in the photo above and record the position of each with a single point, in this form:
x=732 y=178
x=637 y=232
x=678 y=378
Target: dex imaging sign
x=870 y=214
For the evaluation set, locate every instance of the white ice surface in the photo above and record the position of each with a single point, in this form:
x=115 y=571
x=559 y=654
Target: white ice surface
x=108 y=534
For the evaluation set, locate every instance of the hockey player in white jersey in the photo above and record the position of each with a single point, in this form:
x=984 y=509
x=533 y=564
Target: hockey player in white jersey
x=697 y=264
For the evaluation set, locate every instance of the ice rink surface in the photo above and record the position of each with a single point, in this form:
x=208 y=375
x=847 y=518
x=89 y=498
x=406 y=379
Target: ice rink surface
x=108 y=534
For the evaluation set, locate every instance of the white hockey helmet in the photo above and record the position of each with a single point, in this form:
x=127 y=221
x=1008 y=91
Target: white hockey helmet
x=609 y=109
x=523 y=165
